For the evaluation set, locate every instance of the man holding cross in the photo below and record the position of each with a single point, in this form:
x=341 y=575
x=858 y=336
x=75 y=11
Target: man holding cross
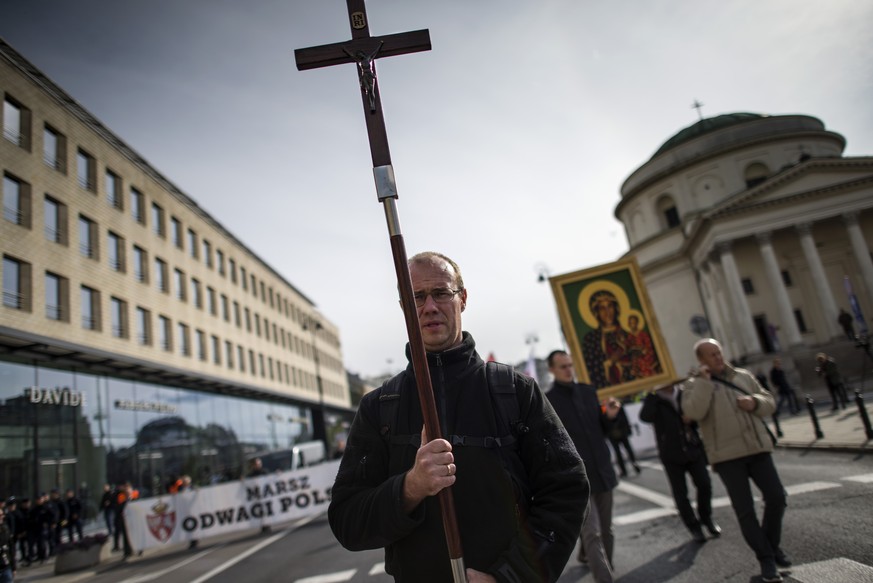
x=519 y=485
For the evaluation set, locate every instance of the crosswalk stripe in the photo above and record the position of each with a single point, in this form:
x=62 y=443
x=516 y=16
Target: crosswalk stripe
x=810 y=487
x=646 y=494
x=863 y=478
x=337 y=577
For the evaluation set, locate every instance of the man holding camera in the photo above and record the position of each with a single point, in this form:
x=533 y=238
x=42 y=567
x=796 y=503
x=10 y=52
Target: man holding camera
x=730 y=406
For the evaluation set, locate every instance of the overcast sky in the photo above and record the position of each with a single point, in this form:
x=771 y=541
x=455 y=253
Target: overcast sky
x=510 y=139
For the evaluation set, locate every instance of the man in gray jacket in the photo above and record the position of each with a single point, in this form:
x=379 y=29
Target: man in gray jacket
x=729 y=405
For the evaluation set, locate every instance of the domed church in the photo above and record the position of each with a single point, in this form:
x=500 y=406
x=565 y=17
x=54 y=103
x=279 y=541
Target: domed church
x=754 y=229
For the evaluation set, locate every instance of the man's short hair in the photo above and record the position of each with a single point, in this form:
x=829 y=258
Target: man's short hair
x=700 y=343
x=550 y=359
x=430 y=256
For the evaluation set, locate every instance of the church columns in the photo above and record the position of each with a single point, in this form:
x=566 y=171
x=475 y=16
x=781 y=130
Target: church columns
x=721 y=327
x=777 y=286
x=860 y=249
x=819 y=279
x=742 y=315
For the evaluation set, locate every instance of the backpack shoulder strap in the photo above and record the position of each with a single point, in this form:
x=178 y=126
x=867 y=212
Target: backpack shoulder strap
x=501 y=383
x=389 y=404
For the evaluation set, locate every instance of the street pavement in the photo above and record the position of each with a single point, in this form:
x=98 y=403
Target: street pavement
x=842 y=430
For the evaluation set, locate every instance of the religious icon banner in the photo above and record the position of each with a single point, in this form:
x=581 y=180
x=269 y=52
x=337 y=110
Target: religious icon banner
x=614 y=338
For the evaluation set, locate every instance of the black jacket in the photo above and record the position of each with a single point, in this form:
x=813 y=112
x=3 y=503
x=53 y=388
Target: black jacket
x=519 y=510
x=678 y=443
x=7 y=548
x=579 y=409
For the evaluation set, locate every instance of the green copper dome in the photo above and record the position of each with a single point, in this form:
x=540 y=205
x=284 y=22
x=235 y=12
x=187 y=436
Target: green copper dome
x=705 y=126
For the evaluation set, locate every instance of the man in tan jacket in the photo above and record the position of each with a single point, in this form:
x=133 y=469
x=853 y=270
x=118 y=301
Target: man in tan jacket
x=729 y=405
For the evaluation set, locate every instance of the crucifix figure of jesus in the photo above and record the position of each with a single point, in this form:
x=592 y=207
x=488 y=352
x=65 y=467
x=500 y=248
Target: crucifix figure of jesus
x=363 y=50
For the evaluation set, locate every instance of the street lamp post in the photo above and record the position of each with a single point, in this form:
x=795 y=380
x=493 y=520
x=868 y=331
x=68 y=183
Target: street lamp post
x=319 y=429
x=543 y=275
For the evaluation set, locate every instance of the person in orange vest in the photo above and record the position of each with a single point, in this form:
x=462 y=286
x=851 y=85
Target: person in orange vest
x=123 y=495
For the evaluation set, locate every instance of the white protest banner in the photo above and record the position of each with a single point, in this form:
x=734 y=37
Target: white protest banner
x=229 y=507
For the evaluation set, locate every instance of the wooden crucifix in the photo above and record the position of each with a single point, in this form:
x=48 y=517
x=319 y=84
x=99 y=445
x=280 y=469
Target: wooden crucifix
x=363 y=50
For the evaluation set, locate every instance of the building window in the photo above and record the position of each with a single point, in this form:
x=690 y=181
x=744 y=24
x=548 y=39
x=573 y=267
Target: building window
x=86 y=170
x=257 y=325
x=748 y=286
x=266 y=329
x=231 y=267
x=158 y=225
x=16 y=284
x=196 y=295
x=143 y=326
x=225 y=308
x=228 y=351
x=248 y=320
x=115 y=250
x=54 y=149
x=671 y=216
x=216 y=350
x=254 y=285
x=240 y=358
x=184 y=340
x=16 y=123
x=180 y=284
x=137 y=205
x=236 y=314
x=161 y=275
x=112 y=182
x=90 y=308
x=801 y=322
x=242 y=278
x=219 y=261
x=261 y=362
x=192 y=243
x=57 y=297
x=118 y=314
x=165 y=339
x=16 y=201
x=210 y=301
x=263 y=292
x=176 y=232
x=252 y=366
x=755 y=174
x=140 y=264
x=54 y=218
x=207 y=253
x=786 y=278
x=87 y=237
x=201 y=344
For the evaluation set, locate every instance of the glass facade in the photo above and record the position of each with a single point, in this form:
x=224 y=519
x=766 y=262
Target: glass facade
x=66 y=429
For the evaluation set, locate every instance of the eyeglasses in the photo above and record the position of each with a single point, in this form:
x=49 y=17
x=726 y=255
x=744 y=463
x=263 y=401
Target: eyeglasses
x=440 y=295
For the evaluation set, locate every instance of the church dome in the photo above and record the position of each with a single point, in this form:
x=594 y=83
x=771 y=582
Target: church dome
x=705 y=126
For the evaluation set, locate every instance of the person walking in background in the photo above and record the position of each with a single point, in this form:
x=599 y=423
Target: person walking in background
x=827 y=367
x=845 y=321
x=785 y=391
x=7 y=551
x=681 y=451
x=74 y=514
x=577 y=406
x=619 y=436
x=107 y=506
x=729 y=405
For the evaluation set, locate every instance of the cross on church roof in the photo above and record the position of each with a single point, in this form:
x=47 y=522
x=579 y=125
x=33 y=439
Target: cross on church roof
x=699 y=107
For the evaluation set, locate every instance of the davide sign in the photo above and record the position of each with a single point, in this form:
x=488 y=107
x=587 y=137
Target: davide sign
x=63 y=396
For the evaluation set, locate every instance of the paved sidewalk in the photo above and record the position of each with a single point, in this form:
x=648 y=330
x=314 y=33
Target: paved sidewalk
x=841 y=430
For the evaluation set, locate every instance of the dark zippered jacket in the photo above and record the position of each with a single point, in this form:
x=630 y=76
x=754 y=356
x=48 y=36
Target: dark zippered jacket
x=588 y=426
x=519 y=509
x=678 y=442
